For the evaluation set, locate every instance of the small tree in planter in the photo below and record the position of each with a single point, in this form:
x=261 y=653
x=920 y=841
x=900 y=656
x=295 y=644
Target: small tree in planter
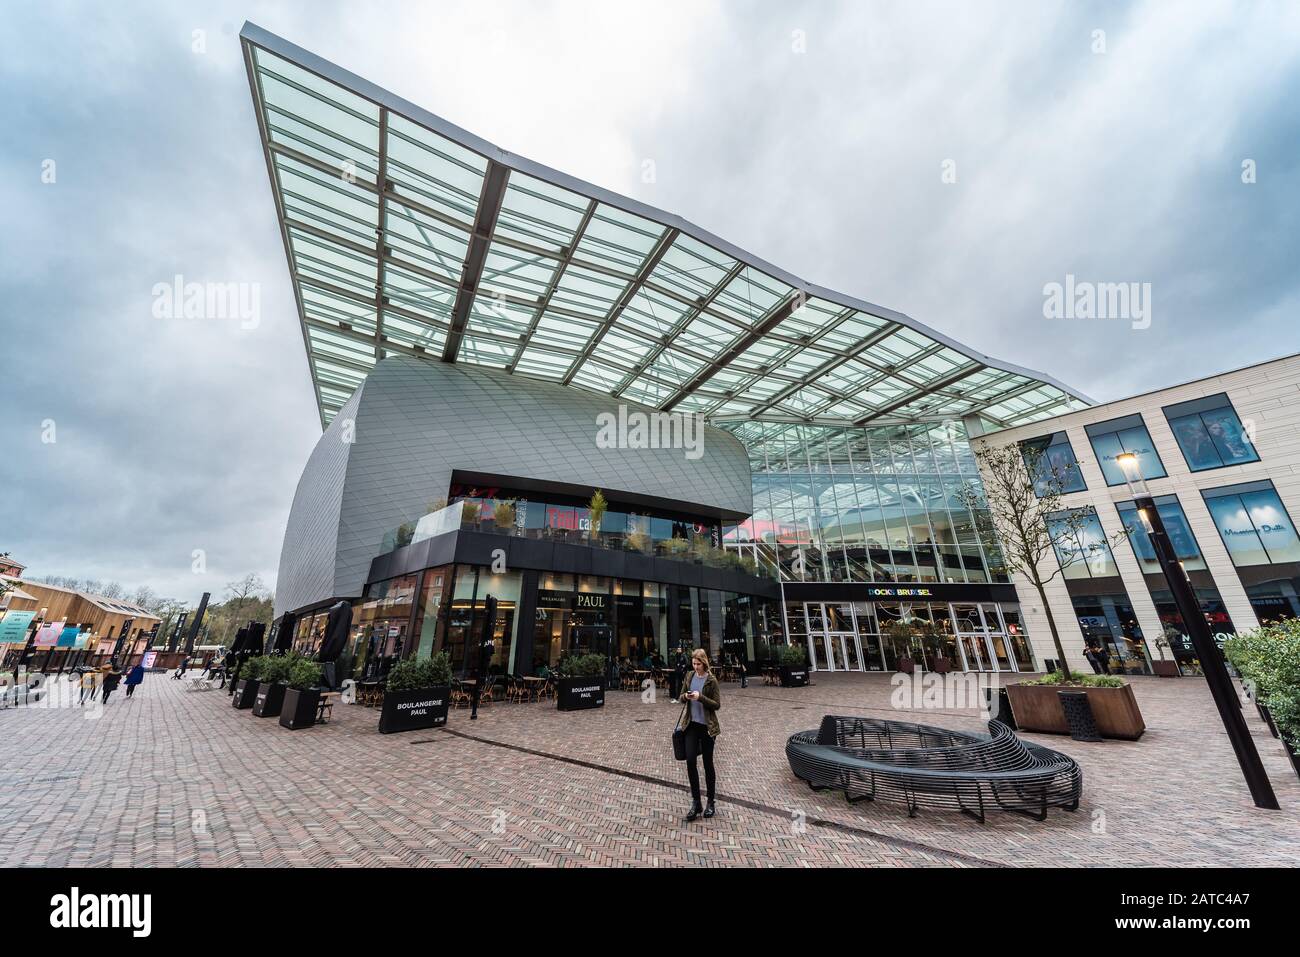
x=596 y=509
x=1164 y=668
x=794 y=666
x=503 y=516
x=903 y=637
x=582 y=683
x=1268 y=660
x=270 y=690
x=302 y=697
x=417 y=694
x=1025 y=515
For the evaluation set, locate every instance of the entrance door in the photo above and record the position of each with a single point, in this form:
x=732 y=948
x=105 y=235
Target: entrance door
x=835 y=643
x=970 y=646
x=850 y=650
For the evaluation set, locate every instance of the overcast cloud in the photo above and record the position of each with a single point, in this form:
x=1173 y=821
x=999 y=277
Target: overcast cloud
x=173 y=436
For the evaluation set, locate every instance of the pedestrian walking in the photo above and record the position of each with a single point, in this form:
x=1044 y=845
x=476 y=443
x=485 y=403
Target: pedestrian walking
x=133 y=678
x=109 y=685
x=701 y=699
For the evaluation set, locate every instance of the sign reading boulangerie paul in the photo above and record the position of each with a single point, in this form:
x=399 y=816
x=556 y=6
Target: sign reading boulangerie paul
x=414 y=710
x=578 y=694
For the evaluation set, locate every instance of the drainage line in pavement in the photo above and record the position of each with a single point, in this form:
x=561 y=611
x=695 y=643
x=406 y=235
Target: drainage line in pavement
x=752 y=805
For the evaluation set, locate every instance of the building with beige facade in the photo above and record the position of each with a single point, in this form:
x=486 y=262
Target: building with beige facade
x=1221 y=455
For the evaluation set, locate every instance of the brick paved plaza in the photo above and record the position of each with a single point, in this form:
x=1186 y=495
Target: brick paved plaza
x=176 y=778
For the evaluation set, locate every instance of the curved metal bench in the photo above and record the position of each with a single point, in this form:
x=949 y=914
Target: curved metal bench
x=871 y=759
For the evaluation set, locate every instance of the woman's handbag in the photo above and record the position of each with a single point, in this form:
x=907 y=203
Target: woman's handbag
x=679 y=738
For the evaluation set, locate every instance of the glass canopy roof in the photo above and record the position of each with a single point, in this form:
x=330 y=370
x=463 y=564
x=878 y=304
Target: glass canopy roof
x=407 y=235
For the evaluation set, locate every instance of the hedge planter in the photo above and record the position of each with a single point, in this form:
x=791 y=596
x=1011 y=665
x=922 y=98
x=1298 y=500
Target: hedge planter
x=906 y=665
x=414 y=710
x=1166 y=669
x=299 y=708
x=1038 y=708
x=1291 y=752
x=578 y=694
x=793 y=677
x=270 y=698
x=245 y=693
x=942 y=666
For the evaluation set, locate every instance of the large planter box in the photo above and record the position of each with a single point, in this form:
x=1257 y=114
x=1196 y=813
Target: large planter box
x=414 y=710
x=270 y=698
x=1166 y=669
x=907 y=666
x=1037 y=708
x=245 y=693
x=793 y=677
x=299 y=708
x=942 y=666
x=578 y=694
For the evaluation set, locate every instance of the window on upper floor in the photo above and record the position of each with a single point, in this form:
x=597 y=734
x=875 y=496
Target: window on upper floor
x=1177 y=527
x=1253 y=523
x=1127 y=434
x=1210 y=434
x=1081 y=546
x=1051 y=462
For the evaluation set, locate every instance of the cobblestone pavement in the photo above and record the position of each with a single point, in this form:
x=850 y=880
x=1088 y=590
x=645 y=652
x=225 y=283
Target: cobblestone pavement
x=177 y=778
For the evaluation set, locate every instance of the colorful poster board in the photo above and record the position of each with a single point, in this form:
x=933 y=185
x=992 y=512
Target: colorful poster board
x=13 y=627
x=68 y=637
x=47 y=636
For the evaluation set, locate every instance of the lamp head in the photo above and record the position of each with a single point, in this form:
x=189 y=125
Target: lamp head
x=1128 y=463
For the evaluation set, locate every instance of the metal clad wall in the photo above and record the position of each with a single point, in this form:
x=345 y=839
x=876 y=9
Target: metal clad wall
x=417 y=421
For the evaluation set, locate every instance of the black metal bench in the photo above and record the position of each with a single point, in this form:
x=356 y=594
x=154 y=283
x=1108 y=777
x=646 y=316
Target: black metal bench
x=923 y=766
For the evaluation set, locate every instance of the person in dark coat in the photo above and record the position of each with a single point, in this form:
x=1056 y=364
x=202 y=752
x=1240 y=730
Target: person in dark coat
x=1090 y=652
x=133 y=678
x=678 y=676
x=1103 y=658
x=109 y=685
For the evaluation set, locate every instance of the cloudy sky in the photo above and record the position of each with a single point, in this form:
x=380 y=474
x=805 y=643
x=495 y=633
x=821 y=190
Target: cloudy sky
x=815 y=135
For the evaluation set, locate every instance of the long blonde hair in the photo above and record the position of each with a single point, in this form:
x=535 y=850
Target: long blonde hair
x=701 y=653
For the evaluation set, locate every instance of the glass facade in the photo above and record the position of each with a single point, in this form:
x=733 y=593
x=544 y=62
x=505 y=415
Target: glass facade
x=1254 y=524
x=869 y=504
x=1210 y=434
x=1118 y=436
x=1109 y=624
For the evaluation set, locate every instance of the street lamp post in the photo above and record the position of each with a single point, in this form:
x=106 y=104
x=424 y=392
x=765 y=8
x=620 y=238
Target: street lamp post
x=1207 y=650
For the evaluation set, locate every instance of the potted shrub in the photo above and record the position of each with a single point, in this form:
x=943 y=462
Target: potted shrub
x=1166 y=668
x=246 y=680
x=794 y=666
x=1268 y=660
x=302 y=696
x=1037 y=706
x=901 y=633
x=596 y=509
x=503 y=516
x=270 y=690
x=581 y=684
x=417 y=694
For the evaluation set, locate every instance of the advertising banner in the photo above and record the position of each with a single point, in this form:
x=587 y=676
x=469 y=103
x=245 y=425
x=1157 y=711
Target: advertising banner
x=68 y=637
x=13 y=627
x=47 y=636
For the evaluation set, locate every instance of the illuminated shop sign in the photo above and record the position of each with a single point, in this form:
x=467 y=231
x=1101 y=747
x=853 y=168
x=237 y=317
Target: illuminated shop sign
x=901 y=593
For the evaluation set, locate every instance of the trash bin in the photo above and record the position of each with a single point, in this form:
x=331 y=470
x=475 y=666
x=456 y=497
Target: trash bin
x=1078 y=715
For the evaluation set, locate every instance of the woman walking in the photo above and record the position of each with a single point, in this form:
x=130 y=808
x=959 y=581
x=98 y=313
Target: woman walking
x=701 y=700
x=133 y=678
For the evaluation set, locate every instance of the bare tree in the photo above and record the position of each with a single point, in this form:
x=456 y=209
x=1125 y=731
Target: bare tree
x=1020 y=509
x=113 y=590
x=144 y=596
x=240 y=592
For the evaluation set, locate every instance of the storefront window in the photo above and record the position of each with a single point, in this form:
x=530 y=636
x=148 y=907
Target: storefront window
x=1177 y=527
x=505 y=589
x=1109 y=624
x=1052 y=464
x=1118 y=436
x=1254 y=524
x=1081 y=546
x=429 y=616
x=1210 y=434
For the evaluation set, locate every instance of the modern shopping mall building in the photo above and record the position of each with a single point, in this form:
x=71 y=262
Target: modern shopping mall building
x=491 y=342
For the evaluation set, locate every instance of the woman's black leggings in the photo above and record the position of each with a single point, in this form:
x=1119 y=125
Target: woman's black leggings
x=129 y=689
x=700 y=742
